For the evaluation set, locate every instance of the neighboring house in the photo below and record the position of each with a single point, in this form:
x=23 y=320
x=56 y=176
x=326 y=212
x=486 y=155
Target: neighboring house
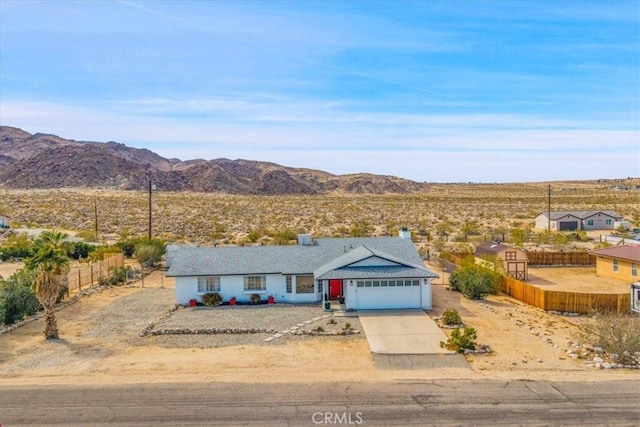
x=618 y=262
x=368 y=272
x=578 y=220
x=4 y=221
x=516 y=263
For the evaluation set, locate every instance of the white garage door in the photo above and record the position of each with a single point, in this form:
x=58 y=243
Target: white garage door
x=382 y=294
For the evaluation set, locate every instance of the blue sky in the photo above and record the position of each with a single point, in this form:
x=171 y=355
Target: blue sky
x=438 y=91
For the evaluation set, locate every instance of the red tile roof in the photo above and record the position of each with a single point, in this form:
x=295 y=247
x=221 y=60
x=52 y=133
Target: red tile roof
x=629 y=252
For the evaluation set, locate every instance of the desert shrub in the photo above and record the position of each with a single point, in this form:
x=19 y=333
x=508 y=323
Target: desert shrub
x=17 y=299
x=63 y=289
x=255 y=298
x=118 y=276
x=332 y=321
x=615 y=333
x=347 y=326
x=475 y=281
x=82 y=250
x=17 y=246
x=319 y=329
x=461 y=341
x=212 y=299
x=451 y=317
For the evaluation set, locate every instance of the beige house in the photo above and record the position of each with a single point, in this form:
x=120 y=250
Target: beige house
x=618 y=262
x=516 y=263
x=578 y=220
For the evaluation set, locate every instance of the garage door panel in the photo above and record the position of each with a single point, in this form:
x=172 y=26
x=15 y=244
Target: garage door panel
x=568 y=225
x=388 y=297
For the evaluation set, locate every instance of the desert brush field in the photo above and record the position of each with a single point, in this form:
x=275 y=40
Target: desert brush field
x=450 y=212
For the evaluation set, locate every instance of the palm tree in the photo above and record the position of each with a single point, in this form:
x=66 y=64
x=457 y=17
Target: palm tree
x=48 y=264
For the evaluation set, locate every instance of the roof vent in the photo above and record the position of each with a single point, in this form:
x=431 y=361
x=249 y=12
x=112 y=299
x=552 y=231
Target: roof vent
x=404 y=233
x=305 y=240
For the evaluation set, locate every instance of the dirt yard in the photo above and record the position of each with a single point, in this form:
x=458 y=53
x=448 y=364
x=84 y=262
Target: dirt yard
x=101 y=345
x=8 y=268
x=575 y=279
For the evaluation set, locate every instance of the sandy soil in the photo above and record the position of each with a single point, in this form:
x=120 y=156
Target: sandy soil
x=8 y=268
x=573 y=279
x=81 y=358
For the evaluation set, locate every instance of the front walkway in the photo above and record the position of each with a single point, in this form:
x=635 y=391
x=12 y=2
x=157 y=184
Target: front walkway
x=402 y=332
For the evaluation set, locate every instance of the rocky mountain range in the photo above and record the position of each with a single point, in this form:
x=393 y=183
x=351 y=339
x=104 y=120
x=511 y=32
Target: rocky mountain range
x=48 y=161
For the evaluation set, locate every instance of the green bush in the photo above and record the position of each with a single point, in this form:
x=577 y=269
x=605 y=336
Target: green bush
x=118 y=276
x=451 y=317
x=476 y=281
x=461 y=341
x=17 y=299
x=212 y=299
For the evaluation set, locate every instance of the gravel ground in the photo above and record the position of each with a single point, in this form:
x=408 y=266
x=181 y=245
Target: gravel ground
x=125 y=318
x=279 y=317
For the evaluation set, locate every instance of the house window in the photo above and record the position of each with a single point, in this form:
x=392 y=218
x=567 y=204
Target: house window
x=367 y=283
x=392 y=282
x=208 y=284
x=288 y=280
x=510 y=255
x=383 y=283
x=415 y=282
x=304 y=284
x=376 y=283
x=615 y=265
x=319 y=286
x=255 y=283
x=608 y=222
x=360 y=283
x=589 y=222
x=634 y=269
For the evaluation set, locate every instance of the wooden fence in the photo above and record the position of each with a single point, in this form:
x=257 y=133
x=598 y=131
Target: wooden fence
x=561 y=258
x=80 y=278
x=572 y=302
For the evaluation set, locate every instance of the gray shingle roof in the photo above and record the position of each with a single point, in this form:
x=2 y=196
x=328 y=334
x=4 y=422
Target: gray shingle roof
x=555 y=215
x=288 y=259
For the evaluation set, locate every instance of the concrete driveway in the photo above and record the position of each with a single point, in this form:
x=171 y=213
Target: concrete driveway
x=402 y=332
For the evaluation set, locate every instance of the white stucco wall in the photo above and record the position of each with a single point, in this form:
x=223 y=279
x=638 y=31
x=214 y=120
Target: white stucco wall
x=542 y=222
x=599 y=222
x=426 y=294
x=233 y=286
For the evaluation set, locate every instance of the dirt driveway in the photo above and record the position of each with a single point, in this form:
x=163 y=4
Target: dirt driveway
x=101 y=345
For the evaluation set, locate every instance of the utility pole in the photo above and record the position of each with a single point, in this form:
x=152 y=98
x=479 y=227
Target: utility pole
x=150 y=185
x=549 y=209
x=95 y=213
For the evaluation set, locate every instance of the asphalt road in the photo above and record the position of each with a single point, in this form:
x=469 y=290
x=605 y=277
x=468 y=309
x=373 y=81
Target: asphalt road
x=442 y=402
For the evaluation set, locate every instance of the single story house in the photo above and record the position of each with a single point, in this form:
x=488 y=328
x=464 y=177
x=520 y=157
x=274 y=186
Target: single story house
x=618 y=262
x=578 y=220
x=367 y=272
x=516 y=262
x=4 y=221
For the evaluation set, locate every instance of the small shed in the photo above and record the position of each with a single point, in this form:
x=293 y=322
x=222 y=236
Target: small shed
x=516 y=263
x=4 y=221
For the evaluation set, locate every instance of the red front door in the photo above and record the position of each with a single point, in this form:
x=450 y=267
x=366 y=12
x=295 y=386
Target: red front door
x=335 y=288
